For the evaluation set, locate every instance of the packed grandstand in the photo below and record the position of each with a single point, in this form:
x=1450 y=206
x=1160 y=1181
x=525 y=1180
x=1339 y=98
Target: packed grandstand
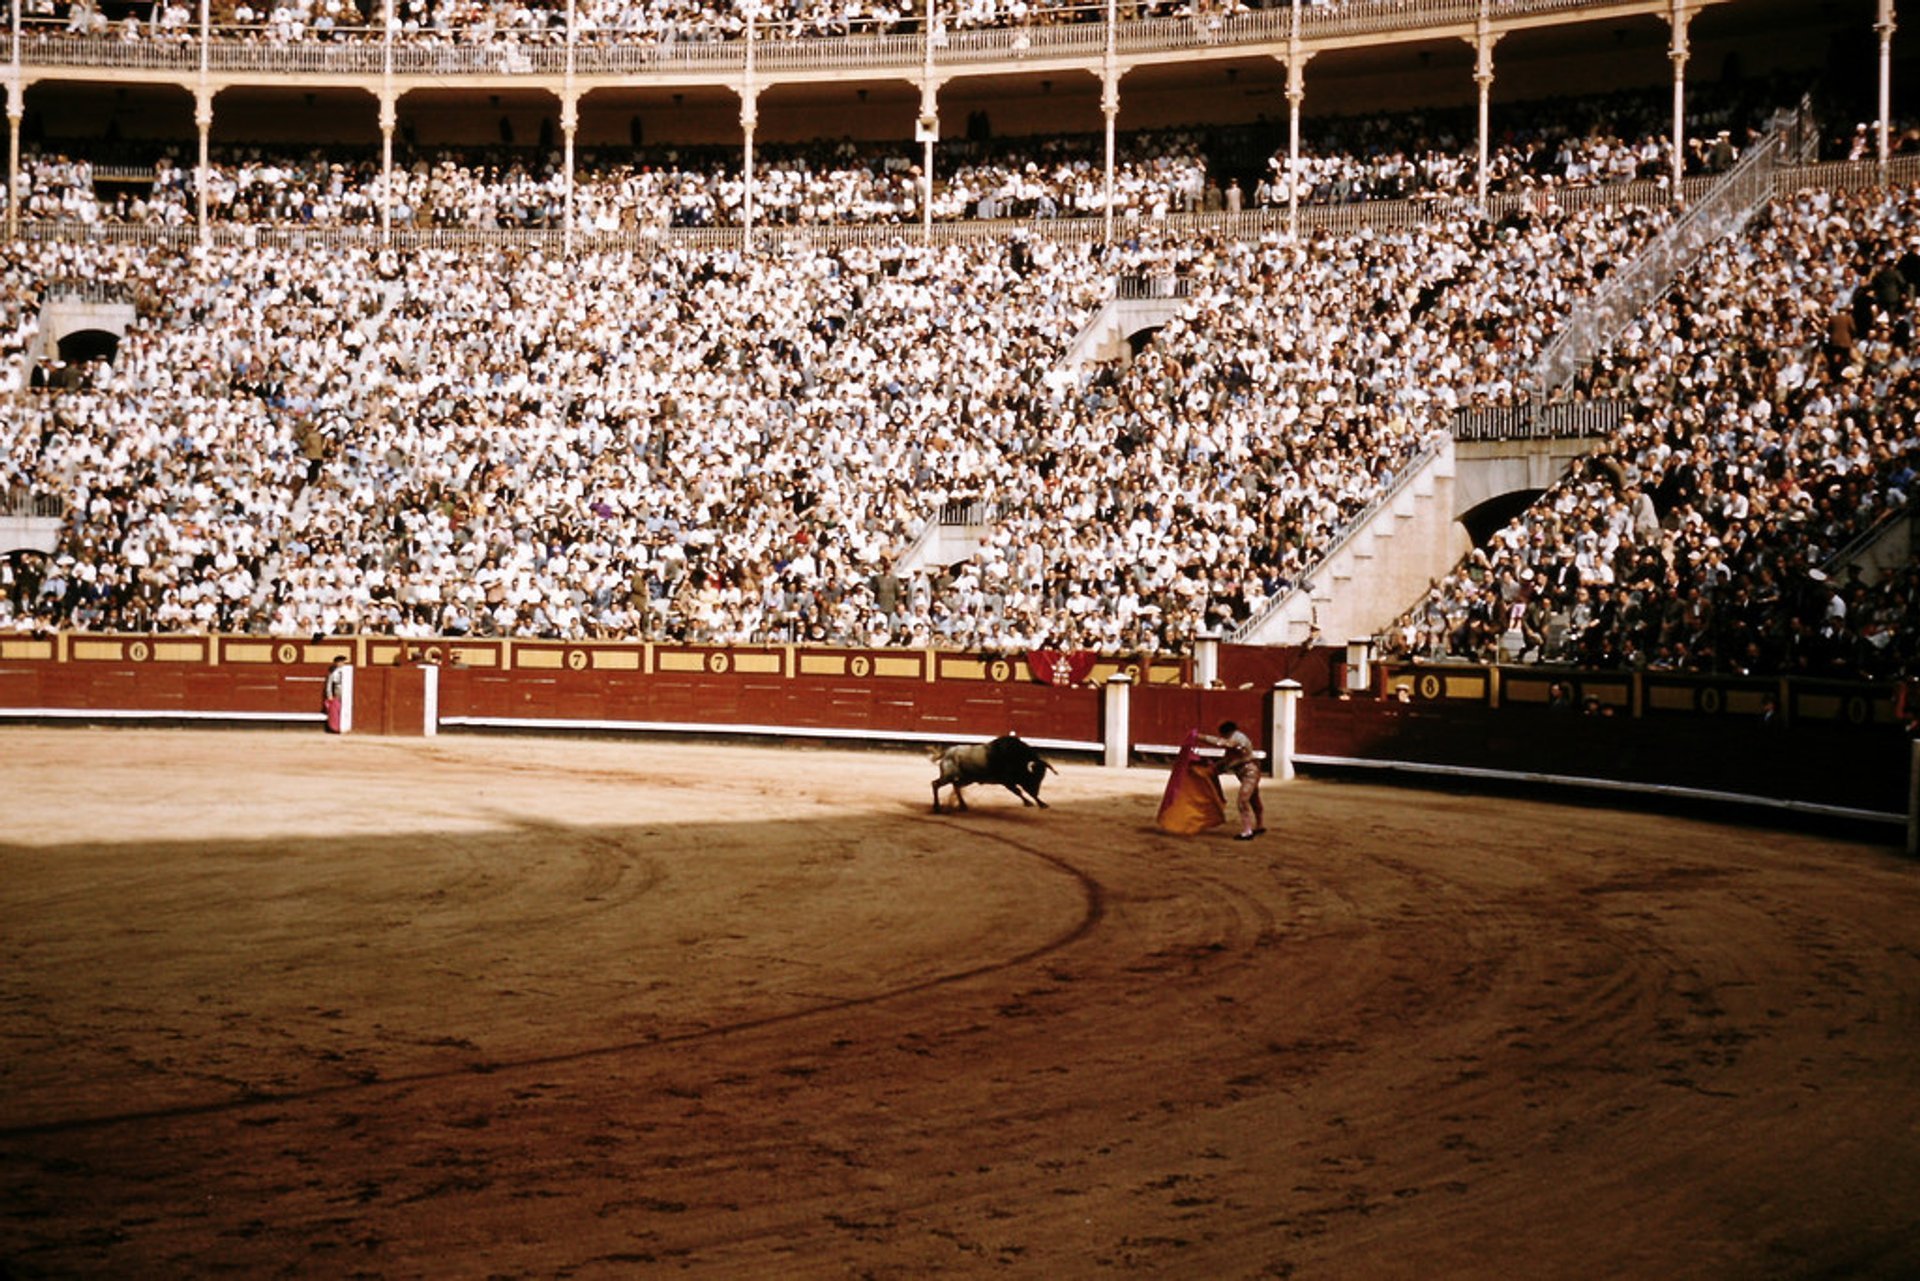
x=634 y=432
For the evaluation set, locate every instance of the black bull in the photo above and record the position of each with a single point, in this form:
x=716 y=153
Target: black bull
x=1006 y=760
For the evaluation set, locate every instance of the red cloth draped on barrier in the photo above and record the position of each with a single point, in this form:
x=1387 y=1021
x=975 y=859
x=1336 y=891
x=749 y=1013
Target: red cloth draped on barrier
x=1192 y=802
x=1052 y=667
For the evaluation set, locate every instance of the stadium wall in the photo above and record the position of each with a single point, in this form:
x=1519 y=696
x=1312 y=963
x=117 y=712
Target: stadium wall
x=1832 y=748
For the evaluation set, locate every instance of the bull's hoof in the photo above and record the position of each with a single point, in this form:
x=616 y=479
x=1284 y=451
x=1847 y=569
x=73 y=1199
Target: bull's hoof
x=1037 y=801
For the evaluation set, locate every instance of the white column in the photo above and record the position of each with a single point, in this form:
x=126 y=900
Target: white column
x=929 y=126
x=389 y=117
x=1110 y=108
x=1483 y=41
x=569 y=126
x=16 y=109
x=1283 y=732
x=203 y=121
x=1883 y=25
x=1296 y=94
x=1678 y=18
x=749 y=120
x=1117 y=728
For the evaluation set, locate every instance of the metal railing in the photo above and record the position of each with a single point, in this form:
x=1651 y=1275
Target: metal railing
x=18 y=502
x=1253 y=224
x=1533 y=418
x=1597 y=321
x=73 y=289
x=1875 y=530
x=1846 y=175
x=966 y=515
x=1131 y=288
x=1071 y=32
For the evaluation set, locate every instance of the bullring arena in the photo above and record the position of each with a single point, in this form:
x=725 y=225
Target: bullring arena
x=532 y=1007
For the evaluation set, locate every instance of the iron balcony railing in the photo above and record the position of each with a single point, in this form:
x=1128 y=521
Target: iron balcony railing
x=1077 y=33
x=1532 y=418
x=1376 y=215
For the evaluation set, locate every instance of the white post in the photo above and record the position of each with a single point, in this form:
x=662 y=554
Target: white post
x=1359 y=665
x=1281 y=733
x=1913 y=799
x=346 y=699
x=1118 y=708
x=430 y=700
x=1206 y=660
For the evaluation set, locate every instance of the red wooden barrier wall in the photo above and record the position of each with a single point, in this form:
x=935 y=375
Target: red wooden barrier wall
x=1842 y=745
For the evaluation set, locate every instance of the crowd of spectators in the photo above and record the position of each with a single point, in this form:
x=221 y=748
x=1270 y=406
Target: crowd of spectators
x=1775 y=415
x=713 y=446
x=1551 y=144
x=1155 y=173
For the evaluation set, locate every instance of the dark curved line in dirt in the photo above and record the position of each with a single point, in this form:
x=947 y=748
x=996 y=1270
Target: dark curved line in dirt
x=1092 y=914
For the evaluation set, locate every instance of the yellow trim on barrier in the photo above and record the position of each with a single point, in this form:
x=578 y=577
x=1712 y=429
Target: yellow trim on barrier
x=615 y=660
x=1666 y=698
x=1819 y=707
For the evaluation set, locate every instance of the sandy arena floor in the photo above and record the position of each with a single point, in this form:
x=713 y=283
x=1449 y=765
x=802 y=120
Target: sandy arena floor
x=278 y=1004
